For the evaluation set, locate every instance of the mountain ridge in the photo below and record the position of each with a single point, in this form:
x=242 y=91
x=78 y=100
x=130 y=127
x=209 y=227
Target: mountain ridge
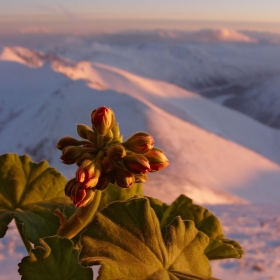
x=212 y=166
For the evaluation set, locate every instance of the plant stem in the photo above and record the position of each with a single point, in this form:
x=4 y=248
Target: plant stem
x=80 y=219
x=26 y=243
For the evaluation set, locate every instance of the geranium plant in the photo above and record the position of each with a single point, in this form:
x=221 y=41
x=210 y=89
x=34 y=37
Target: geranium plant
x=101 y=217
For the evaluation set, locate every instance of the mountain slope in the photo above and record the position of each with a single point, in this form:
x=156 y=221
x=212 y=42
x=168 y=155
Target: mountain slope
x=228 y=73
x=202 y=164
x=181 y=103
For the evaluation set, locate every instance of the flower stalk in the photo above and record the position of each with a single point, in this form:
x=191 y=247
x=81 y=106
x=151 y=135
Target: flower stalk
x=80 y=219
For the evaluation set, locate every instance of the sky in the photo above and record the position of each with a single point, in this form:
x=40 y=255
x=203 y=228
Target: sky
x=89 y=16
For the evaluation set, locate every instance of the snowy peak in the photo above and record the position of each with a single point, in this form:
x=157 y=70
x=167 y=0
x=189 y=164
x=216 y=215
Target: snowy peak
x=221 y=35
x=203 y=35
x=22 y=55
x=207 y=35
x=81 y=71
x=31 y=58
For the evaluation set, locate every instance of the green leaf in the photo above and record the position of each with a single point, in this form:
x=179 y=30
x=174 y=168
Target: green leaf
x=30 y=192
x=39 y=220
x=186 y=247
x=223 y=249
x=55 y=259
x=205 y=221
x=125 y=238
x=115 y=193
x=5 y=219
x=183 y=206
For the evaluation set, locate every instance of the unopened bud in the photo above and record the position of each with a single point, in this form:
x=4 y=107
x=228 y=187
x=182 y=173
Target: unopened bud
x=116 y=152
x=103 y=183
x=69 y=187
x=81 y=196
x=88 y=173
x=82 y=130
x=102 y=119
x=124 y=178
x=116 y=131
x=106 y=164
x=70 y=154
x=68 y=141
x=108 y=137
x=92 y=136
x=157 y=159
x=139 y=143
x=136 y=164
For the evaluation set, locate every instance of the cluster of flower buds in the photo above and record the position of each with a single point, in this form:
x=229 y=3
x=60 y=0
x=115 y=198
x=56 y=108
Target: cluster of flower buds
x=102 y=158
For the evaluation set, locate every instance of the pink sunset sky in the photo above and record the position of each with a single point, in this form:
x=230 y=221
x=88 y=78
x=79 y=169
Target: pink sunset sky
x=85 y=16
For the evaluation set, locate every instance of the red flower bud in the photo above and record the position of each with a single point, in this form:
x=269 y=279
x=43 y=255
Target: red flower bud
x=88 y=173
x=139 y=143
x=136 y=164
x=81 y=196
x=102 y=120
x=157 y=159
x=124 y=178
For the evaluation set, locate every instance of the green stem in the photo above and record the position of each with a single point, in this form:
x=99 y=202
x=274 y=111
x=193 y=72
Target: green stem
x=80 y=219
x=26 y=243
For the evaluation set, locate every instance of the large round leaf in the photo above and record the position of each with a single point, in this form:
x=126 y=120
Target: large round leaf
x=125 y=238
x=219 y=247
x=54 y=259
x=30 y=192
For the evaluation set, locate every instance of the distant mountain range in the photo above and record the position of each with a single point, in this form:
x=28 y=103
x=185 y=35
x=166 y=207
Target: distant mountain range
x=216 y=155
x=240 y=70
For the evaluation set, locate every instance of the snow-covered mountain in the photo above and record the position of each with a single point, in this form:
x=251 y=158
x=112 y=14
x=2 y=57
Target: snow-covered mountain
x=163 y=35
x=216 y=154
x=239 y=74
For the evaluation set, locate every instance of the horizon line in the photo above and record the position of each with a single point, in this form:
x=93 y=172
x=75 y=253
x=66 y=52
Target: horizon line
x=93 y=26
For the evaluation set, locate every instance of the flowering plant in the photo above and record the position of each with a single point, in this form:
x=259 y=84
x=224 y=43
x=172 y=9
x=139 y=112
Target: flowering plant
x=101 y=217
